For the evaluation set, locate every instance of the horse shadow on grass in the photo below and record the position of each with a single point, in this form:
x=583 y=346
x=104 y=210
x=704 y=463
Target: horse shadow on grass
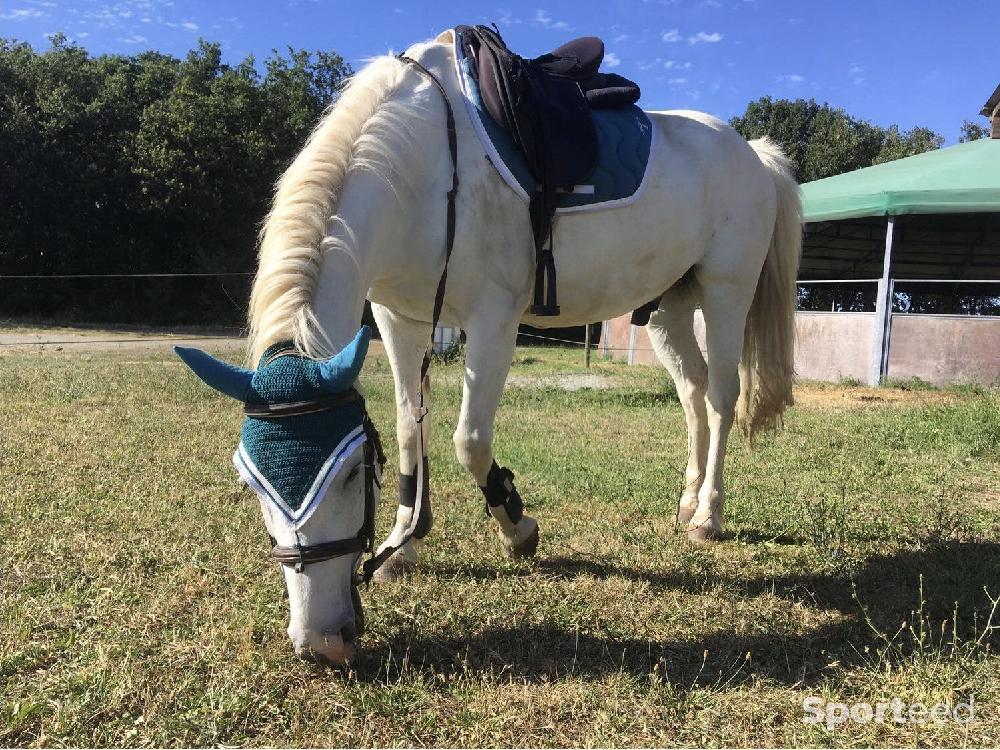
x=944 y=577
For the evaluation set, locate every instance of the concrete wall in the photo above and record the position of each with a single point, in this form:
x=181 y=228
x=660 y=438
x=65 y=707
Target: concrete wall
x=945 y=349
x=833 y=346
x=830 y=346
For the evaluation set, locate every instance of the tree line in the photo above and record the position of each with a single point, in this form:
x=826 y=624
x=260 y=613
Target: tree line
x=151 y=163
x=143 y=164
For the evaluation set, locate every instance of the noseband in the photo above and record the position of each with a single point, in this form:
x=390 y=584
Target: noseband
x=301 y=555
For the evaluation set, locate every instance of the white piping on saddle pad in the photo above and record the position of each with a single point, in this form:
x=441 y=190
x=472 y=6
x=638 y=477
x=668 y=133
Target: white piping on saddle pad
x=498 y=163
x=327 y=473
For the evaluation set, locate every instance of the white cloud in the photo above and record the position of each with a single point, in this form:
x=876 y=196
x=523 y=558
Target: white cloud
x=791 y=78
x=620 y=38
x=190 y=26
x=134 y=39
x=675 y=65
x=22 y=14
x=677 y=81
x=612 y=60
x=507 y=19
x=672 y=36
x=703 y=36
x=543 y=19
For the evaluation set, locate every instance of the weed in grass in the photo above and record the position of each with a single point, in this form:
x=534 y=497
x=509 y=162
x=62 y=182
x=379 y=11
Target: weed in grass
x=913 y=383
x=825 y=521
x=454 y=352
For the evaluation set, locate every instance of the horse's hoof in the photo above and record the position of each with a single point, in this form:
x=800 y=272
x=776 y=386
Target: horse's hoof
x=396 y=567
x=525 y=549
x=704 y=534
x=684 y=515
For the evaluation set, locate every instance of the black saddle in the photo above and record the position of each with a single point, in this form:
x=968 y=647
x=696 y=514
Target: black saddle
x=545 y=104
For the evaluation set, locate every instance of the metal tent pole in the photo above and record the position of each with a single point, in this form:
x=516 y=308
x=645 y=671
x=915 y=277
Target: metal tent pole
x=883 y=313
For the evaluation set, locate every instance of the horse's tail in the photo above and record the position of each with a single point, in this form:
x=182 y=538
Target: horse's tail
x=767 y=366
x=290 y=254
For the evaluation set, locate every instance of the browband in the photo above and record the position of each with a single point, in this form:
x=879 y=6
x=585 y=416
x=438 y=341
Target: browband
x=298 y=408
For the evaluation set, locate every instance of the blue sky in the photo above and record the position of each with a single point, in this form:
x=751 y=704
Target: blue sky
x=912 y=63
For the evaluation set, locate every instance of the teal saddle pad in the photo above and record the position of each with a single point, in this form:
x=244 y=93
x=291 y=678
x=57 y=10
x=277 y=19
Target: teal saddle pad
x=625 y=139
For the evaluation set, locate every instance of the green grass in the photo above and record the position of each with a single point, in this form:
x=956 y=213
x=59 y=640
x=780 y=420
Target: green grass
x=138 y=606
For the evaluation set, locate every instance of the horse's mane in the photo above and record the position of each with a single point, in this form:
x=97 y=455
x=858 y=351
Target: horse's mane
x=291 y=240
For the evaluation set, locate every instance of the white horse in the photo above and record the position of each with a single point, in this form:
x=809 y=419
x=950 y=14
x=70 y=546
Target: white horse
x=360 y=214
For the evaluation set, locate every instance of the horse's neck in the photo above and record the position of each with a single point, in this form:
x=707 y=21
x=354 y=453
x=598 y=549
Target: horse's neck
x=340 y=297
x=381 y=228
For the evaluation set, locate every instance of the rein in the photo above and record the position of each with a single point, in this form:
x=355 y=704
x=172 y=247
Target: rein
x=364 y=541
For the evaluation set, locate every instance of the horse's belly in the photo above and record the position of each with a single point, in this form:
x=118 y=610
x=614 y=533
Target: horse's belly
x=610 y=262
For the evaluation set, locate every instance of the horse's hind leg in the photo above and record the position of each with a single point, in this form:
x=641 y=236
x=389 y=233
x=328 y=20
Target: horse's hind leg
x=491 y=334
x=671 y=332
x=405 y=342
x=725 y=303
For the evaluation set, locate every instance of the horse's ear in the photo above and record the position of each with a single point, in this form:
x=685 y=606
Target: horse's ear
x=446 y=37
x=340 y=371
x=226 y=378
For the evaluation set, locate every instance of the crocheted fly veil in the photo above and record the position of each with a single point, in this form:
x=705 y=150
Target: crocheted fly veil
x=290 y=461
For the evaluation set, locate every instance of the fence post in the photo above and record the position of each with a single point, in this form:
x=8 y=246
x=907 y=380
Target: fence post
x=883 y=314
x=586 y=346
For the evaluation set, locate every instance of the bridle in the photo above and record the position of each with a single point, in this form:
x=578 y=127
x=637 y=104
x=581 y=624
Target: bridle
x=300 y=555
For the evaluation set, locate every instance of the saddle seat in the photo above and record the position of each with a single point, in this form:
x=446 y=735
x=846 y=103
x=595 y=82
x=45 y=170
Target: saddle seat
x=578 y=60
x=545 y=104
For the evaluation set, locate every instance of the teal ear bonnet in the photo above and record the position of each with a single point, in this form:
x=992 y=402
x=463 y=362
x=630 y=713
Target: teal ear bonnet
x=291 y=461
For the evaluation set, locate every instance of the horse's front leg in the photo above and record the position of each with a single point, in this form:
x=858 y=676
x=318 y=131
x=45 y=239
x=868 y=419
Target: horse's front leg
x=405 y=342
x=490 y=340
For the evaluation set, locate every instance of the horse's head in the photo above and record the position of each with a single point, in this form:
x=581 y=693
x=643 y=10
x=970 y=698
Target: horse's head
x=313 y=457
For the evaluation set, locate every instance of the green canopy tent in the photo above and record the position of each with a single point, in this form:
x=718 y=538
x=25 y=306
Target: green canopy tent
x=960 y=179
x=930 y=218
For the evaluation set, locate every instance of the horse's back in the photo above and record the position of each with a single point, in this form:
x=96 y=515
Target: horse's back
x=702 y=137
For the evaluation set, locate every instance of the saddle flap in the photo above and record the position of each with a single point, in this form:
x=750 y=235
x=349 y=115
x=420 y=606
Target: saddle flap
x=564 y=136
